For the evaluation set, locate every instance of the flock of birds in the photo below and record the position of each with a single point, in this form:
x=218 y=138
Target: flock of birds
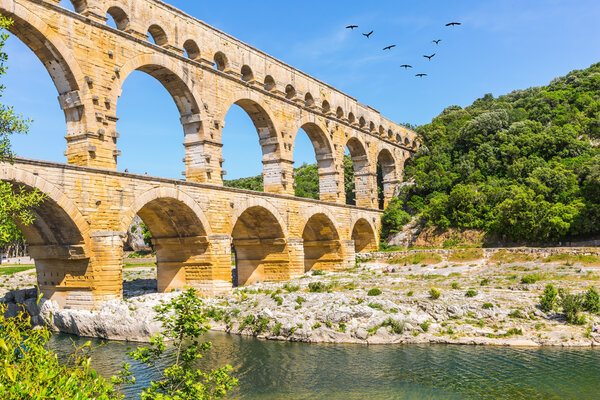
x=390 y=47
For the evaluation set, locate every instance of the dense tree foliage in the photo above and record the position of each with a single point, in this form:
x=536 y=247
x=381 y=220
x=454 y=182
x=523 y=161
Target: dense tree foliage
x=524 y=166
x=15 y=203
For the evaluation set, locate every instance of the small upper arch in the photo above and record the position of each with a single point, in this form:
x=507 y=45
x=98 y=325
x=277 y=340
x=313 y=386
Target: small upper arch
x=362 y=122
x=191 y=49
x=247 y=74
x=221 y=61
x=309 y=101
x=270 y=84
x=158 y=34
x=351 y=117
x=119 y=16
x=290 y=92
x=339 y=112
x=325 y=106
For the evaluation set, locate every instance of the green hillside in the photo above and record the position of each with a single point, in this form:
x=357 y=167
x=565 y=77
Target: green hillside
x=524 y=166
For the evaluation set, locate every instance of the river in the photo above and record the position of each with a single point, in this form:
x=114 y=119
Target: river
x=283 y=370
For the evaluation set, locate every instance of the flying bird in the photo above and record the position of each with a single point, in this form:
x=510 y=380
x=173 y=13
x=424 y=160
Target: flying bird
x=352 y=27
x=452 y=23
x=429 y=57
x=421 y=75
x=406 y=66
x=437 y=41
x=368 y=34
x=389 y=47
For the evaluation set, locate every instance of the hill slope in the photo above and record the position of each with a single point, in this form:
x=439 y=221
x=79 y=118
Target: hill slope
x=523 y=166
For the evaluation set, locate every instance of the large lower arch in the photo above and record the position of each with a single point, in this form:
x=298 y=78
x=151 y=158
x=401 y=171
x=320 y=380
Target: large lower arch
x=364 y=237
x=268 y=141
x=328 y=190
x=322 y=247
x=386 y=177
x=58 y=242
x=180 y=238
x=363 y=179
x=260 y=247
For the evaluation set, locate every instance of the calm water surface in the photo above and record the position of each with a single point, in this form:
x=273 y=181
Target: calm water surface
x=281 y=370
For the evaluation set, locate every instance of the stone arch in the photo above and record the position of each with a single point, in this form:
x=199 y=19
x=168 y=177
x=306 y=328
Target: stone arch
x=325 y=159
x=44 y=42
x=325 y=106
x=362 y=122
x=387 y=175
x=58 y=238
x=290 y=92
x=168 y=73
x=407 y=141
x=269 y=83
x=179 y=232
x=309 y=101
x=247 y=74
x=339 y=113
x=399 y=138
x=119 y=16
x=390 y=133
x=260 y=246
x=351 y=117
x=364 y=236
x=221 y=61
x=79 y=5
x=322 y=246
x=381 y=130
x=371 y=126
x=158 y=34
x=362 y=177
x=192 y=50
x=266 y=130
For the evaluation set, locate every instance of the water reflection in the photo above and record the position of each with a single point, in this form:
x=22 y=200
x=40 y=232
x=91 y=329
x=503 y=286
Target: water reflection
x=281 y=370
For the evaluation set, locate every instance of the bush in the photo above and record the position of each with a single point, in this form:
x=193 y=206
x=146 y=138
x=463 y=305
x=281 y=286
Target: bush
x=572 y=305
x=471 y=293
x=487 y=306
x=434 y=293
x=374 y=292
x=530 y=278
x=592 y=301
x=396 y=327
x=277 y=329
x=484 y=282
x=393 y=219
x=291 y=288
x=318 y=287
x=425 y=325
x=317 y=272
x=548 y=299
x=410 y=293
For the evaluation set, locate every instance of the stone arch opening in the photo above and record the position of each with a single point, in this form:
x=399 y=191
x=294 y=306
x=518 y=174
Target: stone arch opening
x=221 y=61
x=119 y=17
x=325 y=161
x=191 y=49
x=390 y=134
x=399 y=138
x=364 y=237
x=260 y=247
x=309 y=101
x=386 y=177
x=322 y=246
x=180 y=241
x=247 y=74
x=326 y=106
x=57 y=245
x=362 y=122
x=339 y=113
x=235 y=130
x=290 y=92
x=371 y=126
x=157 y=35
x=351 y=118
x=359 y=182
x=269 y=83
x=407 y=141
x=160 y=122
x=381 y=130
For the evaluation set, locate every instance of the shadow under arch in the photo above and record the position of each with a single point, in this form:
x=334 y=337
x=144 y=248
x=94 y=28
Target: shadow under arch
x=364 y=237
x=322 y=246
x=179 y=236
x=58 y=239
x=362 y=177
x=325 y=160
x=260 y=247
x=386 y=177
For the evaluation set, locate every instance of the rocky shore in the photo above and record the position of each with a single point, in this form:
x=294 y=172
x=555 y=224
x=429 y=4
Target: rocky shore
x=487 y=301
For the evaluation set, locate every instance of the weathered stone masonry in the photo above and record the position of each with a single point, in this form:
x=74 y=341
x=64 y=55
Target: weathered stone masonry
x=77 y=239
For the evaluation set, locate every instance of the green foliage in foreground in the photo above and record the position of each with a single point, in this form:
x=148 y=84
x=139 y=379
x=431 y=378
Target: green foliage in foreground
x=394 y=218
x=28 y=370
x=184 y=322
x=15 y=203
x=521 y=166
x=572 y=304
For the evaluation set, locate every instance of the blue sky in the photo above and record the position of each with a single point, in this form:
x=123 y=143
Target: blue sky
x=502 y=45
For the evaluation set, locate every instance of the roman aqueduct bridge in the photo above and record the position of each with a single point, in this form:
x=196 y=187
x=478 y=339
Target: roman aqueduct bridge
x=77 y=239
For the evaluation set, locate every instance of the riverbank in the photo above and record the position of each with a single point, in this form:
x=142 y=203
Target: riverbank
x=487 y=301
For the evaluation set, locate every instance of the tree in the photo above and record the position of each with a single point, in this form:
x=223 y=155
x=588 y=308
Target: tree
x=393 y=219
x=184 y=322
x=15 y=203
